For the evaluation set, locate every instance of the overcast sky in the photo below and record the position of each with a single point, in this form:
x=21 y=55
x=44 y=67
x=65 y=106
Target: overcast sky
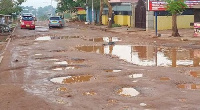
x=39 y=3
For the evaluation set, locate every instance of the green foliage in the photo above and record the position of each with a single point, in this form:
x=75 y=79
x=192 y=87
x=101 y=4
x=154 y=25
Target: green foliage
x=42 y=13
x=116 y=25
x=96 y=4
x=175 y=7
x=9 y=7
x=69 y=5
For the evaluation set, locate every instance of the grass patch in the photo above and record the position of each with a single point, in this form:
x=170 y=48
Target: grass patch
x=116 y=25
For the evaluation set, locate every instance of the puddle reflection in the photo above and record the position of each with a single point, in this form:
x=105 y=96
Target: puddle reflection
x=105 y=39
x=149 y=55
x=130 y=92
x=164 y=78
x=62 y=89
x=135 y=76
x=195 y=73
x=110 y=70
x=91 y=93
x=71 y=79
x=43 y=38
x=188 y=86
x=112 y=101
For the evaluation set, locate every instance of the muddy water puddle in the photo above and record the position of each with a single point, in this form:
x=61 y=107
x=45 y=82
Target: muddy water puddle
x=189 y=86
x=164 y=78
x=112 y=70
x=90 y=93
x=129 y=92
x=71 y=79
x=62 y=89
x=68 y=67
x=134 y=76
x=68 y=64
x=195 y=73
x=105 y=39
x=149 y=55
x=41 y=29
x=47 y=38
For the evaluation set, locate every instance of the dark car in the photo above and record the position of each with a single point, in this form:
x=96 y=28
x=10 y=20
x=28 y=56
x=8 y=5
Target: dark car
x=56 y=21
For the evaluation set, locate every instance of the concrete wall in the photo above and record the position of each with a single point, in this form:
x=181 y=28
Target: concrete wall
x=149 y=20
x=183 y=21
x=123 y=20
x=104 y=19
x=81 y=12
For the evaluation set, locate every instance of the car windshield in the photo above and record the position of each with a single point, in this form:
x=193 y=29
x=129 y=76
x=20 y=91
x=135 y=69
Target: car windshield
x=27 y=18
x=54 y=18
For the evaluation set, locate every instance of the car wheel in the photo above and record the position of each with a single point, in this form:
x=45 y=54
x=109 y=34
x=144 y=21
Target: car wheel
x=50 y=27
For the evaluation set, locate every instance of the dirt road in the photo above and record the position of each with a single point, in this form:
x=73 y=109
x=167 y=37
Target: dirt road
x=84 y=68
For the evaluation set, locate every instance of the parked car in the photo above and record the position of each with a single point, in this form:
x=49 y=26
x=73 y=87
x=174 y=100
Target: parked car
x=56 y=21
x=27 y=22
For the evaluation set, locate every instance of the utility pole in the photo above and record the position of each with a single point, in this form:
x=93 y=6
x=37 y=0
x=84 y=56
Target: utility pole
x=51 y=9
x=92 y=11
x=87 y=12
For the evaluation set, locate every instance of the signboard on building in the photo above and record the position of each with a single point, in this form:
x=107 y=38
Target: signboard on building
x=155 y=5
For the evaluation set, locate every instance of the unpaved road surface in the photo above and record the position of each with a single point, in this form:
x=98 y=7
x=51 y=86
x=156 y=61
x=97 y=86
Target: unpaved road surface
x=74 y=68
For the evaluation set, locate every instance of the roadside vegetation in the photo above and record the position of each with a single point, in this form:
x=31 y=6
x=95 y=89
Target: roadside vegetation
x=8 y=7
x=175 y=8
x=70 y=6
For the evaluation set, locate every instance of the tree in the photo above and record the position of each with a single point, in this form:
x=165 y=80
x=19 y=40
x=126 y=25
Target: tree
x=10 y=6
x=69 y=5
x=109 y=14
x=175 y=8
x=96 y=6
x=101 y=11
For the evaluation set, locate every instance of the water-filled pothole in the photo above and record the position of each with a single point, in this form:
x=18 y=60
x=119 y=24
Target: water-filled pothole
x=164 y=78
x=195 y=73
x=61 y=63
x=62 y=89
x=149 y=55
x=71 y=79
x=64 y=37
x=105 y=39
x=38 y=54
x=44 y=38
x=90 y=93
x=66 y=67
x=135 y=76
x=189 y=86
x=77 y=60
x=112 y=70
x=112 y=101
x=130 y=92
x=70 y=62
